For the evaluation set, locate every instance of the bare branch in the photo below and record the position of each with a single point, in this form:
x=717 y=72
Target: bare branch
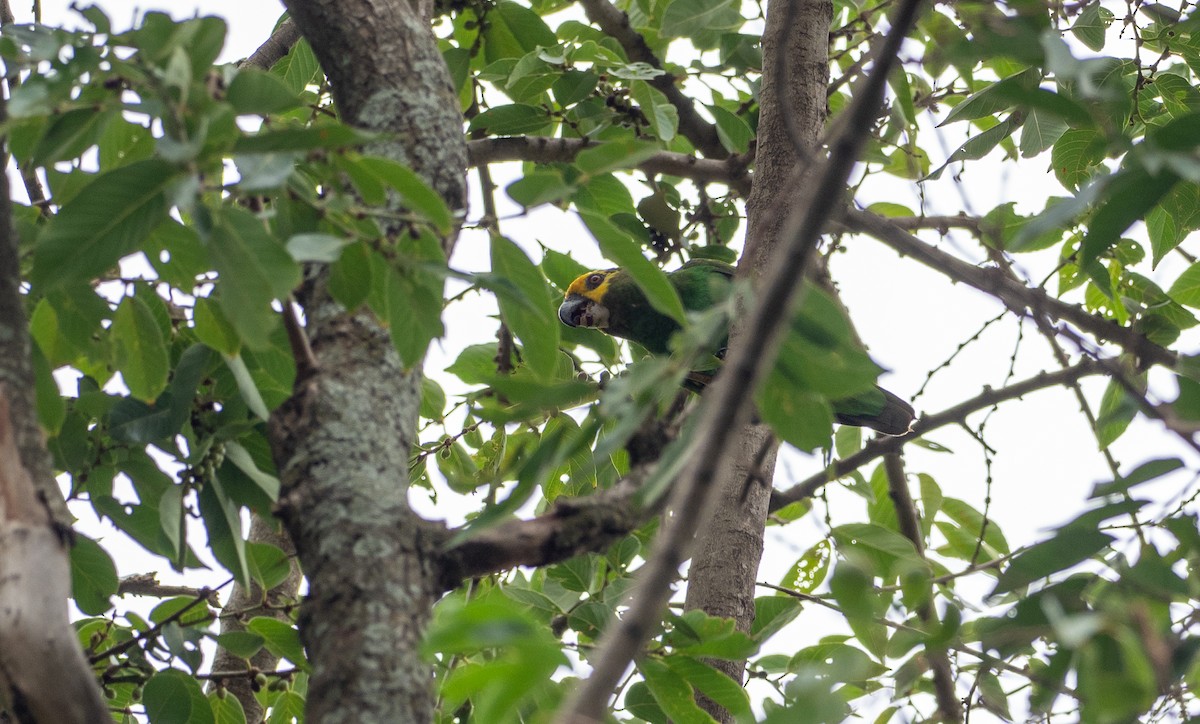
x=146 y=584
x=881 y=446
x=1015 y=295
x=615 y=23
x=726 y=406
x=540 y=149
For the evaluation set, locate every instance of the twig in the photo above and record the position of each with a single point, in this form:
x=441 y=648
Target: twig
x=725 y=408
x=1014 y=294
x=306 y=360
x=140 y=636
x=880 y=446
x=731 y=171
x=146 y=584
x=983 y=656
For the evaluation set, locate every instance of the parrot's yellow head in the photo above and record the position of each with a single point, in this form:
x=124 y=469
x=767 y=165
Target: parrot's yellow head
x=583 y=305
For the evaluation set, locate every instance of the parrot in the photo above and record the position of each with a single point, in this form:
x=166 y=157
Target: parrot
x=609 y=300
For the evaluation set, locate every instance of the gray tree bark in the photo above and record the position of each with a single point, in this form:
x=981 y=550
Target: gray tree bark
x=341 y=443
x=44 y=676
x=245 y=604
x=721 y=579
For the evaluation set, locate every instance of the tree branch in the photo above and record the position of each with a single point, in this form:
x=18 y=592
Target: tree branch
x=731 y=171
x=725 y=408
x=146 y=584
x=275 y=47
x=1015 y=295
x=910 y=528
x=880 y=446
x=574 y=526
x=615 y=23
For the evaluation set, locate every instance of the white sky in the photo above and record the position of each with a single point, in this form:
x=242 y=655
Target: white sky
x=911 y=317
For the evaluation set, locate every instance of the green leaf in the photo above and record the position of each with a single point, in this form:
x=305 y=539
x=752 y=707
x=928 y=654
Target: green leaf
x=257 y=92
x=223 y=521
x=524 y=307
x=663 y=117
x=350 y=276
x=269 y=565
x=1143 y=473
x=540 y=186
x=1186 y=288
x=992 y=98
x=810 y=569
x=876 y=546
x=51 y=407
x=409 y=301
x=322 y=135
x=1090 y=26
x=800 y=417
x=1040 y=131
x=69 y=135
x=513 y=30
x=139 y=349
x=714 y=684
x=735 y=134
x=241 y=458
x=618 y=246
x=514 y=119
x=298 y=68
x=247 y=387
x=226 y=708
x=174 y=697
x=862 y=606
x=614 y=156
x=672 y=692
x=1068 y=547
x=1117 y=410
x=698 y=634
x=572 y=86
x=93 y=576
x=414 y=192
x=1127 y=198
x=213 y=328
x=280 y=638
x=105 y=221
x=1076 y=155
x=254 y=270
x=242 y=644
x=771 y=614
x=685 y=18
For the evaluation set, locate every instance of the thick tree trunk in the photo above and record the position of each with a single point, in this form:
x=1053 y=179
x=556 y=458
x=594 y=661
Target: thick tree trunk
x=342 y=442
x=44 y=676
x=723 y=571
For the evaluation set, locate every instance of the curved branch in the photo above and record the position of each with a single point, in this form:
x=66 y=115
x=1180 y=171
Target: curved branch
x=540 y=149
x=615 y=23
x=1015 y=295
x=881 y=446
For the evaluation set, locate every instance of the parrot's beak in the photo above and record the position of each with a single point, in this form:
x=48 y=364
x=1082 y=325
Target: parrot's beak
x=579 y=311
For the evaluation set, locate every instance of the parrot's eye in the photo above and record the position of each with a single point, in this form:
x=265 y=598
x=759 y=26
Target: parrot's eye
x=594 y=280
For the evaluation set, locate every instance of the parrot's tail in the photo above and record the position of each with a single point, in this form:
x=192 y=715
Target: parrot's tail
x=896 y=418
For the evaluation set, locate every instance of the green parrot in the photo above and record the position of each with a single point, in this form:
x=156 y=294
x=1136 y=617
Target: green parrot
x=610 y=300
